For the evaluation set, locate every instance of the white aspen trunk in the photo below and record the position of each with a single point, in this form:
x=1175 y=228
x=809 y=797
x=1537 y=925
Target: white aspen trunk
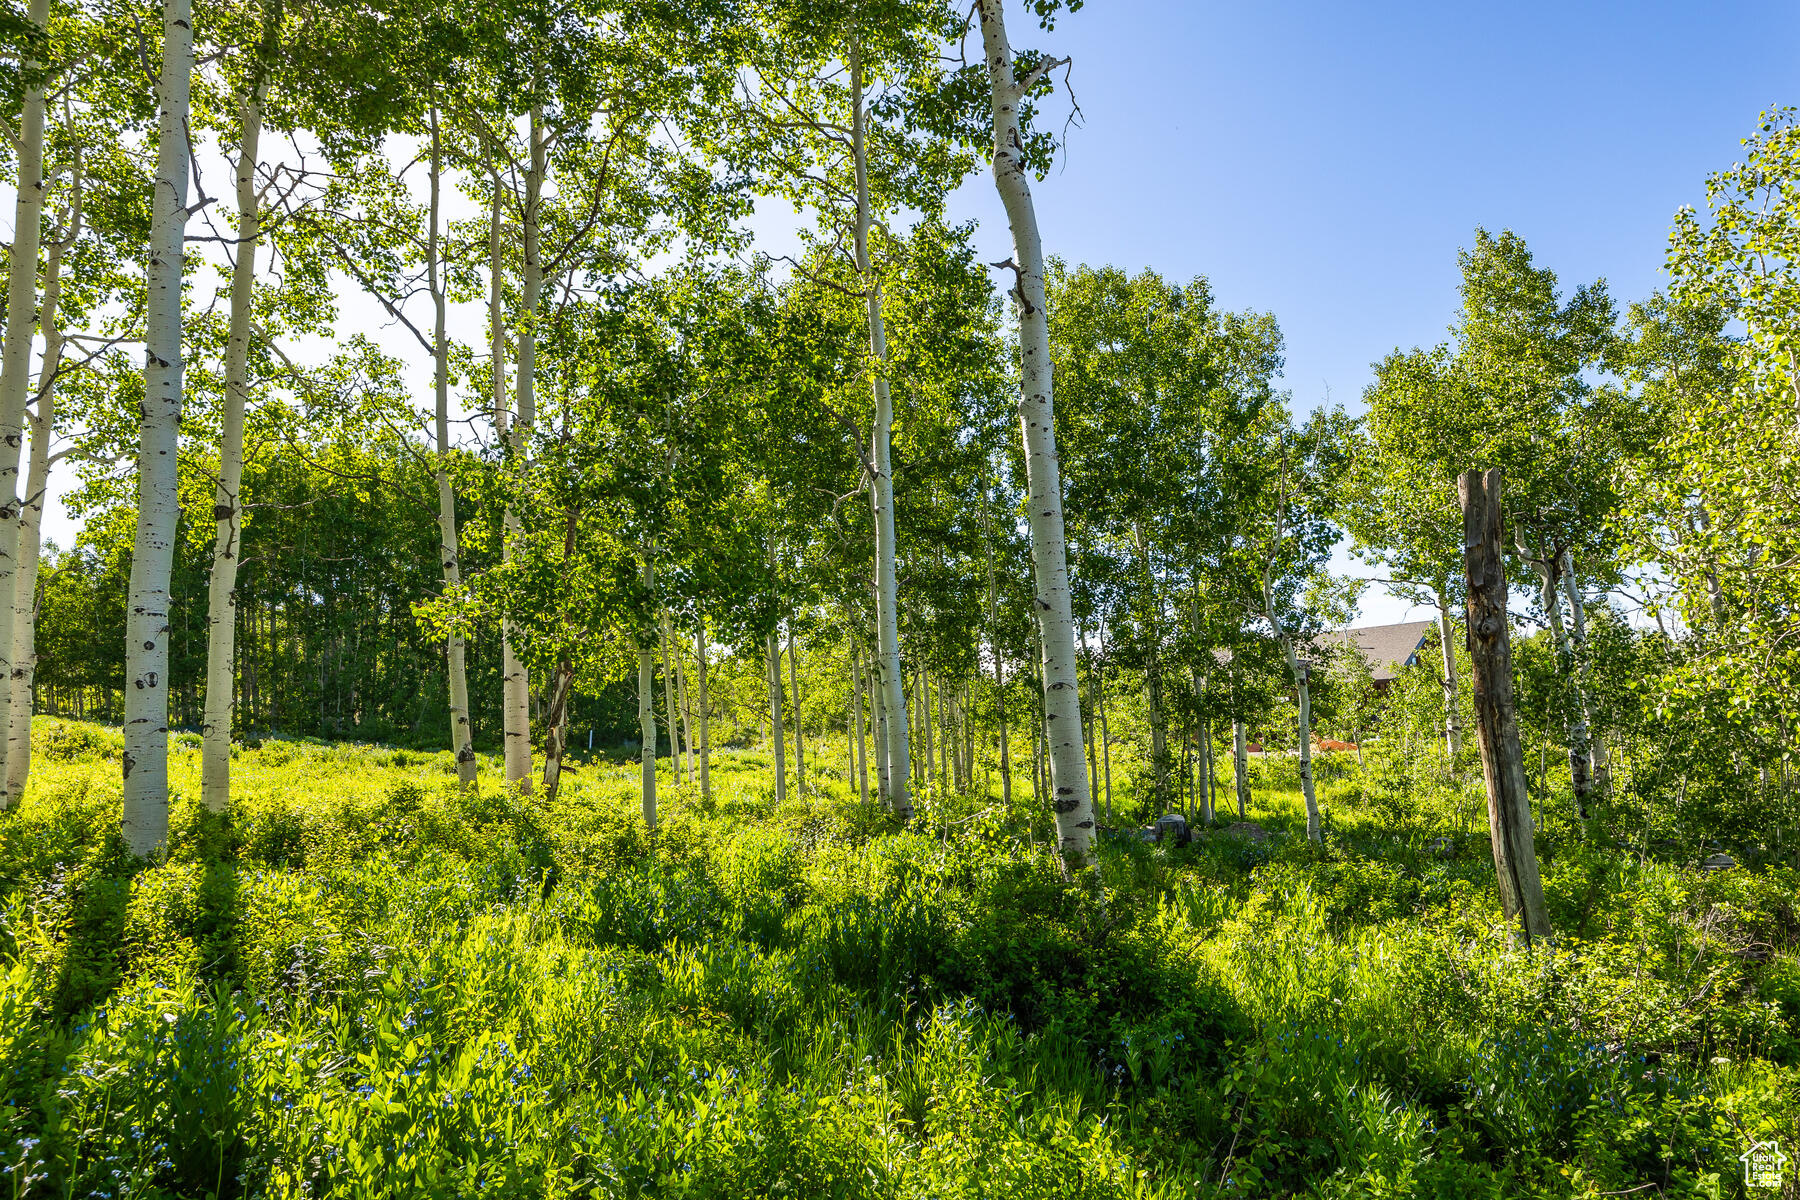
x=1580 y=781
x=669 y=688
x=799 y=733
x=647 y=733
x=1599 y=760
x=856 y=719
x=925 y=723
x=516 y=680
x=681 y=691
x=556 y=730
x=878 y=731
x=1037 y=420
x=449 y=551
x=21 y=326
x=887 y=585
x=987 y=543
x=145 y=762
x=31 y=521
x=1240 y=766
x=1303 y=693
x=1207 y=812
x=1105 y=739
x=705 y=710
x=1452 y=722
x=228 y=508
x=772 y=672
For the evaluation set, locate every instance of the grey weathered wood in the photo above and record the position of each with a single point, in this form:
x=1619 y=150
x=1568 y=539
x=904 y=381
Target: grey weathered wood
x=1496 y=721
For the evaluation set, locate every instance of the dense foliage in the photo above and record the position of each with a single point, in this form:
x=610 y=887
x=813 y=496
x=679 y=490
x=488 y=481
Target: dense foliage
x=369 y=983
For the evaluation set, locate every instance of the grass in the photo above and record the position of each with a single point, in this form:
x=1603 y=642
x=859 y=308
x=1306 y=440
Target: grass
x=367 y=984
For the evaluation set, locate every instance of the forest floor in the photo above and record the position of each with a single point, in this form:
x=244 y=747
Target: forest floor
x=367 y=984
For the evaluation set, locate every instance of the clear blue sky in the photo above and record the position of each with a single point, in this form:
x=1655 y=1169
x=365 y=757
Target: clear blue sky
x=1325 y=161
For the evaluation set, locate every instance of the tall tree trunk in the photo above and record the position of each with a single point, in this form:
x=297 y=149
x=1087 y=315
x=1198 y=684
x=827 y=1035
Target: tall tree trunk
x=21 y=327
x=1087 y=724
x=856 y=720
x=799 y=732
x=878 y=728
x=1452 y=721
x=772 y=672
x=1302 y=674
x=516 y=680
x=1073 y=804
x=647 y=730
x=228 y=509
x=556 y=732
x=1600 y=762
x=987 y=542
x=1208 y=814
x=449 y=555
x=673 y=652
x=1549 y=570
x=669 y=690
x=1497 y=726
x=705 y=702
x=887 y=585
x=1105 y=734
x=146 y=757
x=1240 y=766
x=31 y=521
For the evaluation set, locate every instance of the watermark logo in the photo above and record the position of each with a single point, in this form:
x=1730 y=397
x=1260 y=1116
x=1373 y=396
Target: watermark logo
x=1763 y=1163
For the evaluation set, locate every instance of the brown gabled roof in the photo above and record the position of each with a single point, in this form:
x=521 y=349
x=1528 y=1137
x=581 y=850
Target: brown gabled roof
x=1386 y=648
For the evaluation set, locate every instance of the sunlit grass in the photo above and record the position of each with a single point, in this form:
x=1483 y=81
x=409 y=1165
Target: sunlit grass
x=367 y=983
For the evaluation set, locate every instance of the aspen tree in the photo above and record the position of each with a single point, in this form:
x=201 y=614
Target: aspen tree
x=772 y=669
x=1072 y=803
x=799 y=733
x=145 y=763
x=515 y=678
x=705 y=705
x=228 y=509
x=15 y=354
x=449 y=555
x=43 y=427
x=887 y=585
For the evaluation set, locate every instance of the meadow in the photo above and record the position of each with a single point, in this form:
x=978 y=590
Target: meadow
x=366 y=983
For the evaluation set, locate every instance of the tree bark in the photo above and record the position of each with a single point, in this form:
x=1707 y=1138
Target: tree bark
x=669 y=690
x=228 y=509
x=1497 y=727
x=31 y=521
x=987 y=542
x=1073 y=804
x=1581 y=782
x=556 y=732
x=1599 y=761
x=856 y=719
x=1105 y=735
x=772 y=672
x=1452 y=721
x=145 y=762
x=799 y=733
x=681 y=691
x=887 y=584
x=516 y=680
x=1303 y=695
x=21 y=327
x=1240 y=766
x=705 y=702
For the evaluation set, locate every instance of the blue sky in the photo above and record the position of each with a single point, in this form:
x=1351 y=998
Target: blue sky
x=1324 y=162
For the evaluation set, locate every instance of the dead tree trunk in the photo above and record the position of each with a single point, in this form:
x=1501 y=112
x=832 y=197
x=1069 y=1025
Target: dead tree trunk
x=1497 y=725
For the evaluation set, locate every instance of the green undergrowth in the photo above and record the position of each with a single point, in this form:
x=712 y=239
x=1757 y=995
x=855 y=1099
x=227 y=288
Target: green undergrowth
x=365 y=983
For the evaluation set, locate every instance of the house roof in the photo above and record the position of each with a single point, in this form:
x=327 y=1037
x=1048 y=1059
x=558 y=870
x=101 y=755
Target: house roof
x=1386 y=648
